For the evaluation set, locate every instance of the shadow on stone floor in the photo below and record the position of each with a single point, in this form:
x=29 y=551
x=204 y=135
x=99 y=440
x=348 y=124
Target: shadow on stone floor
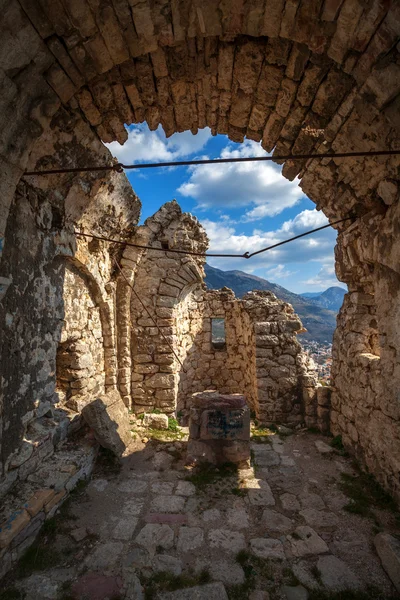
x=146 y=525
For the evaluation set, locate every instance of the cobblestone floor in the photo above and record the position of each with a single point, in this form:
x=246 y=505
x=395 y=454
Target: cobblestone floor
x=156 y=529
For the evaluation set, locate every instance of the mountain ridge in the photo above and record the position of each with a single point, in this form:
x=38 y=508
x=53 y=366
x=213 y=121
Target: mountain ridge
x=331 y=298
x=319 y=321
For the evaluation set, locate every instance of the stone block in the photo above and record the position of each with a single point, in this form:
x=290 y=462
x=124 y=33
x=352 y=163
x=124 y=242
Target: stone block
x=197 y=450
x=31 y=530
x=108 y=417
x=236 y=451
x=324 y=396
x=211 y=591
x=155 y=421
x=219 y=428
x=38 y=500
x=55 y=501
x=388 y=549
x=11 y=528
x=225 y=424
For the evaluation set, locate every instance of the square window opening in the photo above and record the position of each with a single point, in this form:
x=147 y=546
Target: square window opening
x=218 y=339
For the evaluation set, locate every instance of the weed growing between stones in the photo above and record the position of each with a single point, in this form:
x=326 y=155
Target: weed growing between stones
x=337 y=443
x=260 y=435
x=207 y=474
x=365 y=493
x=238 y=492
x=314 y=430
x=316 y=573
x=107 y=462
x=11 y=594
x=167 y=582
x=165 y=435
x=173 y=424
x=289 y=577
x=37 y=558
x=256 y=571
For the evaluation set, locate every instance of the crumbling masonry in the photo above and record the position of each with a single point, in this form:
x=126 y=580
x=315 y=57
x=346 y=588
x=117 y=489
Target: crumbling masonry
x=299 y=76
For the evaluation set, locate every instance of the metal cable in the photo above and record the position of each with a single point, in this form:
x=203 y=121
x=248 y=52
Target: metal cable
x=149 y=315
x=119 y=167
x=206 y=254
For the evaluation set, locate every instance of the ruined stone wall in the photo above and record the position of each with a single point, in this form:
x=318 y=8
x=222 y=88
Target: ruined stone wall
x=261 y=359
x=161 y=281
x=37 y=260
x=365 y=404
x=228 y=370
x=80 y=354
x=165 y=347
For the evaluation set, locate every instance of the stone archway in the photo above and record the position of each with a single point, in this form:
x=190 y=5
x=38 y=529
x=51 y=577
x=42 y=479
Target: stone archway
x=299 y=76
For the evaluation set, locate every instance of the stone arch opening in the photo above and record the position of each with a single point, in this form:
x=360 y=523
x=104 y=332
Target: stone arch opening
x=277 y=71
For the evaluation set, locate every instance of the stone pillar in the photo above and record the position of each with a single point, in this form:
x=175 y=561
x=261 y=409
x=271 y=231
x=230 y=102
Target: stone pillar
x=219 y=428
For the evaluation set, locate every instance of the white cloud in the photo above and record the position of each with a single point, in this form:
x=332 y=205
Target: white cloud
x=224 y=238
x=278 y=272
x=325 y=278
x=257 y=185
x=144 y=145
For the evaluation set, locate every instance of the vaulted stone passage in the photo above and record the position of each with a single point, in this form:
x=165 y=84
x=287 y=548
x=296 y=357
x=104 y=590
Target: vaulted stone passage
x=299 y=76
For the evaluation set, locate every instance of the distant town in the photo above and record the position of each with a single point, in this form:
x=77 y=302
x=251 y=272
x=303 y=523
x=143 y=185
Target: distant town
x=321 y=353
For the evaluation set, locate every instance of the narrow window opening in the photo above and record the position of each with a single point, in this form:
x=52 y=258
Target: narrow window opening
x=218 y=340
x=164 y=244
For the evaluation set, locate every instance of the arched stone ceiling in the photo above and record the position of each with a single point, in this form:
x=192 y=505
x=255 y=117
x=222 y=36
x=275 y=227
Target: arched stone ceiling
x=299 y=75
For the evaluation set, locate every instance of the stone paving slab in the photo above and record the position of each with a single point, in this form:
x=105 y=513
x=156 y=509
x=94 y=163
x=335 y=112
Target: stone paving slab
x=212 y=591
x=282 y=517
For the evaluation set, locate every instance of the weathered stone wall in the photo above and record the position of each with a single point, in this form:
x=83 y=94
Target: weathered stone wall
x=300 y=76
x=165 y=340
x=365 y=399
x=41 y=254
x=80 y=354
x=161 y=280
x=228 y=370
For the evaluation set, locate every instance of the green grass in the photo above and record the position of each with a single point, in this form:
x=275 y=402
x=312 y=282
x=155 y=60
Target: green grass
x=255 y=569
x=337 y=443
x=289 y=577
x=260 y=435
x=365 y=493
x=240 y=591
x=107 y=461
x=167 y=582
x=164 y=435
x=207 y=474
x=316 y=573
x=12 y=594
x=50 y=527
x=173 y=424
x=238 y=492
x=37 y=558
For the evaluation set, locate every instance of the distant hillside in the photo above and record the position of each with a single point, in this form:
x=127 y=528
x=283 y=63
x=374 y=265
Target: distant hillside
x=319 y=322
x=332 y=298
x=311 y=294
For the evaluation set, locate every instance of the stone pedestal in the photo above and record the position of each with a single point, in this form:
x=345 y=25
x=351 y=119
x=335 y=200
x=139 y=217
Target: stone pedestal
x=219 y=428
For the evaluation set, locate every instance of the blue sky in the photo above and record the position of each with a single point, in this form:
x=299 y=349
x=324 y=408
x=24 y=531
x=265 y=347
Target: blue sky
x=243 y=207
